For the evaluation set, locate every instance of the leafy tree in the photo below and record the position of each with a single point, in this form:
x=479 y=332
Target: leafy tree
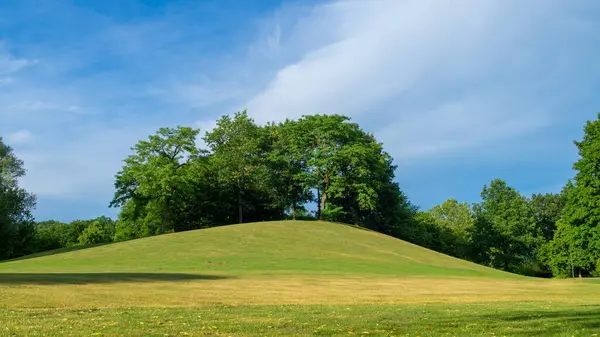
x=287 y=166
x=456 y=224
x=547 y=209
x=138 y=220
x=92 y=234
x=318 y=137
x=394 y=214
x=74 y=230
x=50 y=235
x=503 y=228
x=16 y=221
x=157 y=171
x=576 y=242
x=363 y=170
x=337 y=156
x=425 y=232
x=99 y=230
x=238 y=149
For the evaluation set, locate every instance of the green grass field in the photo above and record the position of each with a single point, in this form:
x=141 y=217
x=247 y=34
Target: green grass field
x=282 y=278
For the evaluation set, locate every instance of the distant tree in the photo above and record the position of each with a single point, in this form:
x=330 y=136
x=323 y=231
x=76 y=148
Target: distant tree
x=425 y=232
x=138 y=220
x=92 y=234
x=318 y=138
x=237 y=147
x=362 y=171
x=547 y=209
x=50 y=235
x=74 y=230
x=456 y=224
x=576 y=242
x=504 y=234
x=287 y=166
x=341 y=162
x=157 y=171
x=394 y=214
x=16 y=204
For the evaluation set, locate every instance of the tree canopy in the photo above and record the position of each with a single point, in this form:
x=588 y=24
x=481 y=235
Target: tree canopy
x=576 y=242
x=16 y=204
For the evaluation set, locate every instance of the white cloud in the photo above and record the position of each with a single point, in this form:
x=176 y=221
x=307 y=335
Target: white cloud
x=10 y=64
x=19 y=138
x=458 y=125
x=439 y=74
x=33 y=106
x=80 y=165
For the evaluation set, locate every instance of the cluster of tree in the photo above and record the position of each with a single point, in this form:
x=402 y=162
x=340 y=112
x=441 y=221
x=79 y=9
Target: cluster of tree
x=248 y=172
x=505 y=230
x=543 y=235
x=51 y=234
x=16 y=204
x=20 y=234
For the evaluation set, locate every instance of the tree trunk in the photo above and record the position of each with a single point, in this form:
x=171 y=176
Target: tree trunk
x=294 y=211
x=355 y=216
x=323 y=200
x=240 y=205
x=319 y=203
x=355 y=211
x=165 y=218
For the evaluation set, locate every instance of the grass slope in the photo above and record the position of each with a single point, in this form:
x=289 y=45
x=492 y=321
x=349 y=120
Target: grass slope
x=287 y=247
x=282 y=278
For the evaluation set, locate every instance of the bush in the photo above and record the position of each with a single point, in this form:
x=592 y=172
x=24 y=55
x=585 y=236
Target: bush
x=92 y=234
x=596 y=272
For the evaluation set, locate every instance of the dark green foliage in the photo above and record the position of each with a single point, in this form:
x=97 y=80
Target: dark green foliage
x=576 y=243
x=260 y=173
x=287 y=166
x=456 y=225
x=238 y=148
x=158 y=172
x=16 y=221
x=504 y=230
x=50 y=235
x=547 y=209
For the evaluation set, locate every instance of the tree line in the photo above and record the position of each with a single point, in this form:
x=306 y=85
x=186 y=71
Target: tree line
x=179 y=179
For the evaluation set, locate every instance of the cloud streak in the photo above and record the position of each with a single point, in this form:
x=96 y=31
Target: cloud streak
x=441 y=77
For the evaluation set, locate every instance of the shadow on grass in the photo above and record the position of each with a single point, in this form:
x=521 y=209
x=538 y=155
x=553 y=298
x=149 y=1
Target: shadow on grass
x=99 y=278
x=54 y=252
x=525 y=323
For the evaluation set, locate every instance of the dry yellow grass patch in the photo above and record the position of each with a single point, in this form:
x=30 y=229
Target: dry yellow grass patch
x=296 y=290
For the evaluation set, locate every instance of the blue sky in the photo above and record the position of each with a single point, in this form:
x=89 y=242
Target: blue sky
x=460 y=92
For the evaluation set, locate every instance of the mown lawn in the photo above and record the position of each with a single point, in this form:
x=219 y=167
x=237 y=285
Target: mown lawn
x=282 y=279
x=477 y=319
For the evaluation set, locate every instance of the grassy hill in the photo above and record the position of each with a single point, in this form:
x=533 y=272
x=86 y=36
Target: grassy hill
x=282 y=278
x=287 y=247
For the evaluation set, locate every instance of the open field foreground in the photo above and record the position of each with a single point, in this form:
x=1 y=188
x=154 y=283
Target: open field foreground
x=285 y=278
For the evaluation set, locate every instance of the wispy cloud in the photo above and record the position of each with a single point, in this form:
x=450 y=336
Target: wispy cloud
x=10 y=64
x=19 y=138
x=440 y=77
